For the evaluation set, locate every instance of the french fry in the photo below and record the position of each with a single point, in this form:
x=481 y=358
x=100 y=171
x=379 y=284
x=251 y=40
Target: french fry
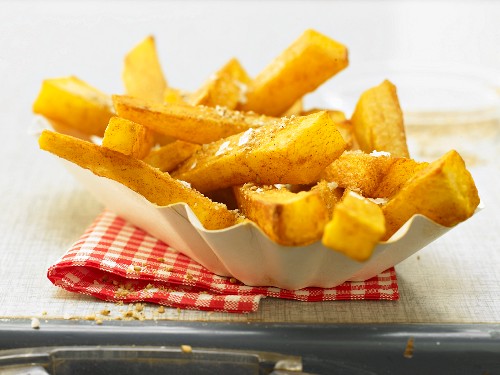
x=290 y=219
x=143 y=78
x=344 y=126
x=226 y=88
x=198 y=124
x=301 y=68
x=156 y=186
x=444 y=192
x=168 y=157
x=142 y=73
x=356 y=227
x=74 y=103
x=128 y=137
x=371 y=175
x=293 y=151
x=378 y=121
x=175 y=96
x=61 y=127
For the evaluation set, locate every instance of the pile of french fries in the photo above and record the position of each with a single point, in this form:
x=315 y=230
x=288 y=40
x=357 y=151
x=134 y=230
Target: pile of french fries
x=242 y=148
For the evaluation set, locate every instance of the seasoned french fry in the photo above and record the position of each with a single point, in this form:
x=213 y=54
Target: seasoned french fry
x=61 y=127
x=400 y=171
x=301 y=68
x=226 y=88
x=293 y=151
x=156 y=186
x=142 y=73
x=128 y=137
x=356 y=227
x=371 y=175
x=444 y=191
x=290 y=219
x=74 y=103
x=378 y=121
x=344 y=126
x=198 y=124
x=143 y=77
x=168 y=157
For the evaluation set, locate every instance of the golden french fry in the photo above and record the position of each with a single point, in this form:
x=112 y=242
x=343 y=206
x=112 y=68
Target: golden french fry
x=226 y=88
x=293 y=151
x=175 y=96
x=128 y=137
x=344 y=126
x=356 y=227
x=301 y=68
x=156 y=186
x=378 y=121
x=375 y=175
x=142 y=73
x=168 y=157
x=61 y=127
x=290 y=219
x=74 y=103
x=198 y=124
x=444 y=191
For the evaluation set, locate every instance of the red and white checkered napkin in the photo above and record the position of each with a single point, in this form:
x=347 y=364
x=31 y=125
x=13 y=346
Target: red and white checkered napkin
x=115 y=261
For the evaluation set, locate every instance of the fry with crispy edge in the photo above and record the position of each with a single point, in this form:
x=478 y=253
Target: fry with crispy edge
x=127 y=137
x=226 y=87
x=168 y=157
x=290 y=219
x=157 y=187
x=375 y=175
x=378 y=121
x=142 y=73
x=196 y=124
x=293 y=151
x=356 y=227
x=444 y=192
x=74 y=103
x=308 y=62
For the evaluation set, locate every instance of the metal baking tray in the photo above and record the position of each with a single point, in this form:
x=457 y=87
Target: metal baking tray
x=255 y=348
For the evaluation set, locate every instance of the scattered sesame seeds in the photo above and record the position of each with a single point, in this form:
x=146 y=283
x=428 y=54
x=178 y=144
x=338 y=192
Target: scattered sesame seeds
x=186 y=349
x=105 y=312
x=161 y=309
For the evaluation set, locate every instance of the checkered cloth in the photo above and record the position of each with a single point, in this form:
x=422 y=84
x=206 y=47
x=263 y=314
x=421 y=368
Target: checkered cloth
x=115 y=261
